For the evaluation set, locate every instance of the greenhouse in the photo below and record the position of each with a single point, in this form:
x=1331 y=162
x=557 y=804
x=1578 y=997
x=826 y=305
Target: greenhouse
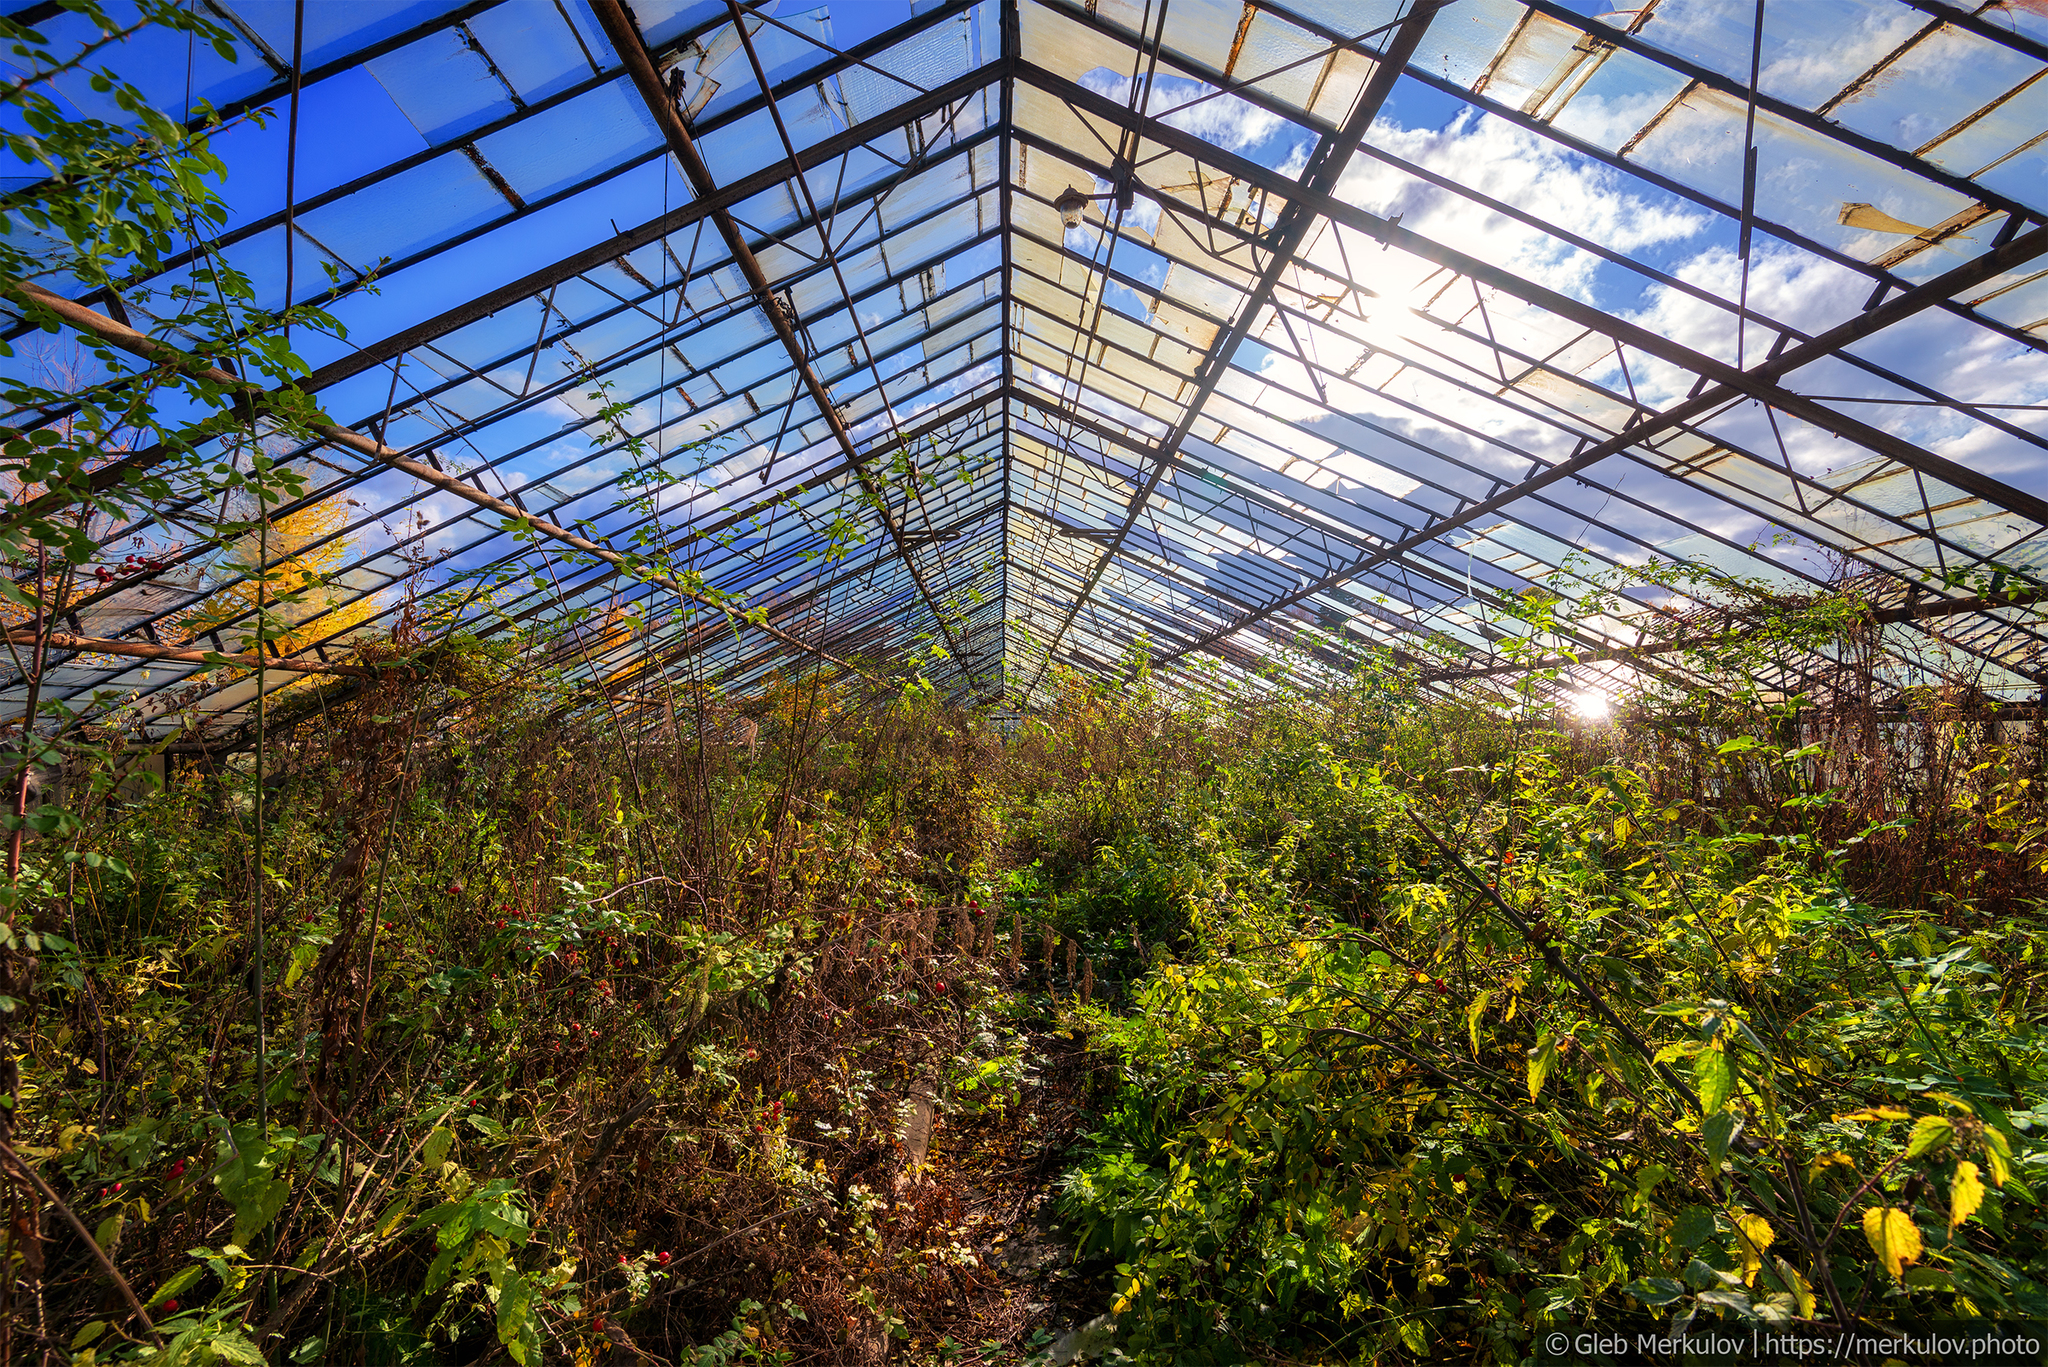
x=1021 y=681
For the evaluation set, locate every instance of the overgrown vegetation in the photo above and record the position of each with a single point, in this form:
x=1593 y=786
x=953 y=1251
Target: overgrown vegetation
x=449 y=1015
x=572 y=1048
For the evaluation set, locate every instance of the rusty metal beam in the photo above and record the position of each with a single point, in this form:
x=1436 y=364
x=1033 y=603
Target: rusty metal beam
x=624 y=34
x=158 y=353
x=1983 y=28
x=1317 y=182
x=1804 y=119
x=97 y=645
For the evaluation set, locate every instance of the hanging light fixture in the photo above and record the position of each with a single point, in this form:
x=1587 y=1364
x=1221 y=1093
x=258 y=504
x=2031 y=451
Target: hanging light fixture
x=1073 y=204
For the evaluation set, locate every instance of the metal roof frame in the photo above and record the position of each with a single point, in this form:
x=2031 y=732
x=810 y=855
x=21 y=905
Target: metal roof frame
x=1260 y=431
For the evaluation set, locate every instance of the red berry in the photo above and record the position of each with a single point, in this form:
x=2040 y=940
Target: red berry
x=171 y=1305
x=662 y=1257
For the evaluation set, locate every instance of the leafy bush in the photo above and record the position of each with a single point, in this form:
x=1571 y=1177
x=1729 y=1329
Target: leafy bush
x=1605 y=1052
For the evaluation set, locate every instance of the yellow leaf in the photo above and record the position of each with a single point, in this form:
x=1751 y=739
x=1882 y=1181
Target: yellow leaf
x=1877 y=1113
x=1998 y=1154
x=1542 y=1059
x=1965 y=1194
x=1472 y=1015
x=1802 y=1293
x=1829 y=1160
x=1752 y=1236
x=1893 y=1237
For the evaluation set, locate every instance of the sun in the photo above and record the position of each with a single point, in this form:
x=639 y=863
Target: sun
x=1592 y=705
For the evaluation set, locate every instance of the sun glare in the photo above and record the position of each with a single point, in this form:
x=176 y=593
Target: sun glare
x=1591 y=705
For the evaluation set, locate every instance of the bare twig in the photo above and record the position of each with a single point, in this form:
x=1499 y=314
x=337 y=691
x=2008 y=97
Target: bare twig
x=99 y=1254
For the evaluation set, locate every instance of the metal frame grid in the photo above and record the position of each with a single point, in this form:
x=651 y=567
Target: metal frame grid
x=1317 y=371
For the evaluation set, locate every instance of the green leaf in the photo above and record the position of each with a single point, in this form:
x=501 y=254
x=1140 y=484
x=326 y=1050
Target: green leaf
x=435 y=1151
x=230 y=1346
x=1714 y=1076
x=1415 y=1335
x=251 y=1187
x=437 y=1272
x=1655 y=1290
x=1729 y=1300
x=1931 y=1133
x=178 y=1283
x=303 y=957
x=253 y=1216
x=1693 y=1227
x=1716 y=1134
x=515 y=1301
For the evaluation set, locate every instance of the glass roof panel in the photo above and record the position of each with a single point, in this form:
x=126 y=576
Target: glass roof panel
x=1287 y=330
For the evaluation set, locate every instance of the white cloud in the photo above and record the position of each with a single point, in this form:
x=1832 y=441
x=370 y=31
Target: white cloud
x=1935 y=348
x=1514 y=166
x=1194 y=107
